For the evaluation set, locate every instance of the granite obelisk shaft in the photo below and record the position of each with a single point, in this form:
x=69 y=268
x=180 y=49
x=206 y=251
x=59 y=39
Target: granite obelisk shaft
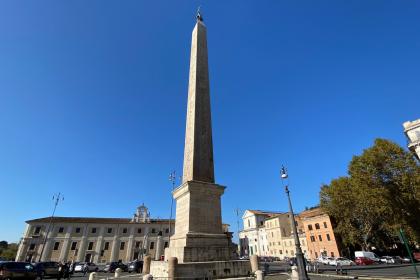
x=198 y=153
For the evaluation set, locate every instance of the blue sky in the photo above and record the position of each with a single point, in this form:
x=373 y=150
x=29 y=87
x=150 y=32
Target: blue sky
x=93 y=99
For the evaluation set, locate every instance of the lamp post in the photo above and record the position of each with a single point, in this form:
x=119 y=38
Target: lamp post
x=299 y=255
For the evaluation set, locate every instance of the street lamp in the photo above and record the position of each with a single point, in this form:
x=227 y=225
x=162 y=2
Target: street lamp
x=299 y=255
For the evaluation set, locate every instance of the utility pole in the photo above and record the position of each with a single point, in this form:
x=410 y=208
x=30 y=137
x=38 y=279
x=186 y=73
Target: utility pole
x=56 y=199
x=172 y=178
x=299 y=255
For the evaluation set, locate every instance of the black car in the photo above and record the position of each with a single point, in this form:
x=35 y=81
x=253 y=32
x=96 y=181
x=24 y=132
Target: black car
x=47 y=269
x=135 y=266
x=112 y=266
x=17 y=270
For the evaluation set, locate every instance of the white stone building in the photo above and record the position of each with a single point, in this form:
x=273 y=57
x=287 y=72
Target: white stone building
x=412 y=131
x=98 y=240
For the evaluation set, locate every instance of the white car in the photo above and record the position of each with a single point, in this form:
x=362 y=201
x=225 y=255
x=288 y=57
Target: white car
x=91 y=267
x=326 y=260
x=342 y=261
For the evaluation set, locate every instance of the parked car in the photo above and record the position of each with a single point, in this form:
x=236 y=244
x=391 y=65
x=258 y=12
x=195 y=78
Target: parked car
x=49 y=269
x=326 y=260
x=17 y=270
x=369 y=255
x=135 y=266
x=416 y=256
x=112 y=266
x=91 y=267
x=386 y=259
x=363 y=261
x=342 y=261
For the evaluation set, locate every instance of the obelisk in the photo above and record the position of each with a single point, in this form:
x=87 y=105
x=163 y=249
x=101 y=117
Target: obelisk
x=199 y=236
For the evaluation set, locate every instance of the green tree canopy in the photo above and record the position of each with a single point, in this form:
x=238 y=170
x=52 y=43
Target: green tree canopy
x=380 y=195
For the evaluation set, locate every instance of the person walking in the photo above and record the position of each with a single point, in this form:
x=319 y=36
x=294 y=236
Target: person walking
x=85 y=269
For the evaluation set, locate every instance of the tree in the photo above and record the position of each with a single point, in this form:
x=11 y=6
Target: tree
x=8 y=251
x=380 y=195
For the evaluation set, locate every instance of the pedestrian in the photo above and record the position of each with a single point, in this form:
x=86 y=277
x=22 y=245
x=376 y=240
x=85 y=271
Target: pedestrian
x=85 y=269
x=60 y=271
x=66 y=271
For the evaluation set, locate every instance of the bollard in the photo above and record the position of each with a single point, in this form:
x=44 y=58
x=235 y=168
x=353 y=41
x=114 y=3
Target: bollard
x=254 y=263
x=259 y=275
x=146 y=264
x=93 y=276
x=295 y=274
x=117 y=273
x=172 y=263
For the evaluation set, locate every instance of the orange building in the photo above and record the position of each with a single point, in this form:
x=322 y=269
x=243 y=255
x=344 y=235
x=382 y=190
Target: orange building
x=319 y=234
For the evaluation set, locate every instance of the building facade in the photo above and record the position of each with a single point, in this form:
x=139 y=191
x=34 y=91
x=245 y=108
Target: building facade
x=270 y=234
x=98 y=240
x=319 y=232
x=412 y=131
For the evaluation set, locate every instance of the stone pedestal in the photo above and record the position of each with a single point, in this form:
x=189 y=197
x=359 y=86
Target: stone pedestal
x=199 y=235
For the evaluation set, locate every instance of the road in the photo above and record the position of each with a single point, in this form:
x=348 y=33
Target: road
x=379 y=270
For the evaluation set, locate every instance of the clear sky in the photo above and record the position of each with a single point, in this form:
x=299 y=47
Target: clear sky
x=93 y=99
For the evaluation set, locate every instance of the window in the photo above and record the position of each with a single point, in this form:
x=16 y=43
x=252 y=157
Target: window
x=61 y=230
x=56 y=245
x=292 y=252
x=124 y=230
x=262 y=223
x=166 y=245
x=122 y=245
x=332 y=254
x=167 y=230
x=32 y=247
x=139 y=230
x=320 y=238
x=37 y=230
x=106 y=246
x=152 y=245
x=325 y=224
x=328 y=237
x=78 y=230
x=90 y=246
x=316 y=254
x=272 y=234
x=109 y=230
x=249 y=225
x=137 y=244
x=312 y=238
x=153 y=230
x=281 y=252
x=94 y=230
x=317 y=226
x=310 y=227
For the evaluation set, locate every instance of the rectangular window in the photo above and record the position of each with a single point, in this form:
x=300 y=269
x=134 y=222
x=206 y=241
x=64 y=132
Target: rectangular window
x=312 y=238
x=166 y=245
x=328 y=237
x=90 y=246
x=310 y=227
x=78 y=230
x=73 y=246
x=124 y=230
x=325 y=224
x=61 y=230
x=316 y=254
x=122 y=245
x=139 y=230
x=56 y=245
x=37 y=230
x=137 y=244
x=109 y=230
x=167 y=230
x=152 y=245
x=153 y=230
x=317 y=226
x=320 y=238
x=332 y=254
x=281 y=252
x=32 y=247
x=106 y=246
x=94 y=230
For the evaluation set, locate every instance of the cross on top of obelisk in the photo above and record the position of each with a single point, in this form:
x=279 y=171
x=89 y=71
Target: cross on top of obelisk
x=198 y=153
x=199 y=16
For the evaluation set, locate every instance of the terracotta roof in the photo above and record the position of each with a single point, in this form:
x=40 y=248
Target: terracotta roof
x=94 y=220
x=312 y=213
